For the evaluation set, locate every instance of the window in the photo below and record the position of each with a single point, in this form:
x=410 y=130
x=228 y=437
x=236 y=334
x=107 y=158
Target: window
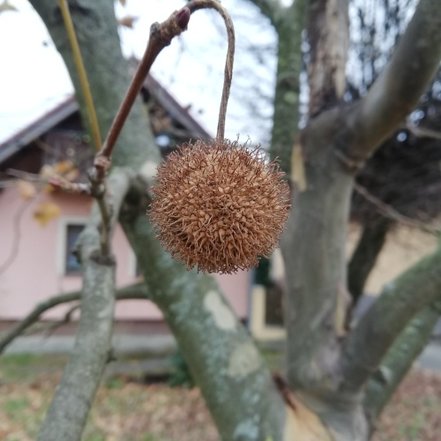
x=266 y=321
x=71 y=264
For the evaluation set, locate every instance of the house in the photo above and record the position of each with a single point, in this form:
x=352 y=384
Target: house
x=35 y=260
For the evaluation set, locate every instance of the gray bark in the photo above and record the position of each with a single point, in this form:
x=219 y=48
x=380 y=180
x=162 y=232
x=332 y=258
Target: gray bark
x=399 y=359
x=387 y=318
x=222 y=357
x=67 y=414
x=289 y=27
x=328 y=37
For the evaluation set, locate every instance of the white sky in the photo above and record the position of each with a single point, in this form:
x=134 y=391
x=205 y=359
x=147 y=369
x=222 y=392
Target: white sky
x=33 y=77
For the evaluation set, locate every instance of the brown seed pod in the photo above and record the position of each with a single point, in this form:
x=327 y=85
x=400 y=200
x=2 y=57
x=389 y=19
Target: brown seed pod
x=219 y=206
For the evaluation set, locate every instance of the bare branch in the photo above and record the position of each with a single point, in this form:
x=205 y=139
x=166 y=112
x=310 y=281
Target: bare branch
x=399 y=359
x=272 y=9
x=66 y=319
x=137 y=291
x=397 y=90
x=16 y=236
x=287 y=94
x=368 y=343
x=328 y=37
x=160 y=37
x=70 y=406
x=423 y=132
x=390 y=212
x=31 y=177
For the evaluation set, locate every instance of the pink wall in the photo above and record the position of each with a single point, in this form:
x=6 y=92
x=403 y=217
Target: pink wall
x=37 y=271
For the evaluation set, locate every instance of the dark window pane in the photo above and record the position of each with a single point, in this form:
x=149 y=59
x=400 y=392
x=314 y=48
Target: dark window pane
x=72 y=265
x=274 y=305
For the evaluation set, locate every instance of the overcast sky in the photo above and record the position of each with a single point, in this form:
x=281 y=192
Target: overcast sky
x=33 y=77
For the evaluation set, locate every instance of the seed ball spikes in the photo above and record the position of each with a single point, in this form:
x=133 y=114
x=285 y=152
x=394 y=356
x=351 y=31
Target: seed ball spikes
x=219 y=207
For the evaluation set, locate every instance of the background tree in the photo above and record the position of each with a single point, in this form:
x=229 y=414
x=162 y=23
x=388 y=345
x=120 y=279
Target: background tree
x=332 y=389
x=400 y=183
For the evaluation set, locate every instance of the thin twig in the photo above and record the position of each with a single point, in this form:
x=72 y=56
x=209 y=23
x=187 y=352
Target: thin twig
x=60 y=183
x=16 y=236
x=160 y=37
x=67 y=318
x=132 y=292
x=229 y=62
x=390 y=212
x=25 y=176
x=422 y=132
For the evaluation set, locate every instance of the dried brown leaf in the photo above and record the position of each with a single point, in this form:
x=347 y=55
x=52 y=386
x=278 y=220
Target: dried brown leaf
x=46 y=212
x=26 y=189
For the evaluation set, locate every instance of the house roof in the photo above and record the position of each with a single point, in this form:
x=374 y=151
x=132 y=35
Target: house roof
x=174 y=109
x=69 y=106
x=37 y=128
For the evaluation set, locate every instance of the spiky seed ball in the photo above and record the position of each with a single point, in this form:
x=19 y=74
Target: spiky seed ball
x=219 y=206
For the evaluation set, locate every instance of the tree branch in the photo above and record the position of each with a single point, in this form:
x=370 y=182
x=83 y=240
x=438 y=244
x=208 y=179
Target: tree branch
x=272 y=9
x=389 y=212
x=222 y=357
x=383 y=323
x=287 y=94
x=137 y=291
x=70 y=406
x=422 y=132
x=16 y=225
x=369 y=246
x=328 y=38
x=397 y=90
x=399 y=359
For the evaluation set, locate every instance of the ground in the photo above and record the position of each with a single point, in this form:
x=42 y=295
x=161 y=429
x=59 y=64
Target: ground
x=127 y=410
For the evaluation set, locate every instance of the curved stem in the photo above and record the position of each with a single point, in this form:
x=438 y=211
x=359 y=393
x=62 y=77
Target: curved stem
x=161 y=35
x=228 y=72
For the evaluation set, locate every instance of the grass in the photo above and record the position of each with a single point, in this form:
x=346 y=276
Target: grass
x=130 y=411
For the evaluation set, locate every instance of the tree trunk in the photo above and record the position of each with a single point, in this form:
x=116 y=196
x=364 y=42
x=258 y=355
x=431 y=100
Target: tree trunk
x=315 y=280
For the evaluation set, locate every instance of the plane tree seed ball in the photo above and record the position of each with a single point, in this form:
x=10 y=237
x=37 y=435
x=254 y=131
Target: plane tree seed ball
x=218 y=207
